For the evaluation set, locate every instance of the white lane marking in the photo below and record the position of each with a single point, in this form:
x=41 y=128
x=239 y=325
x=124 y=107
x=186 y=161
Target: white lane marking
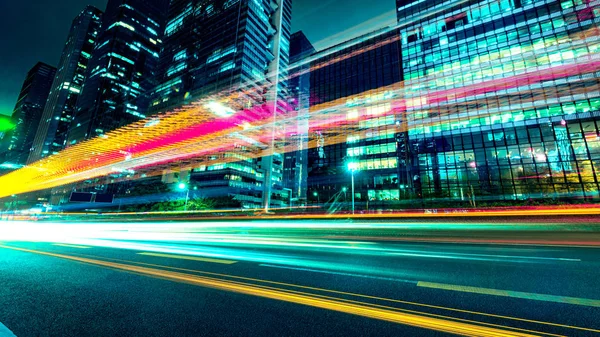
x=509 y=293
x=339 y=273
x=485 y=257
x=4 y=332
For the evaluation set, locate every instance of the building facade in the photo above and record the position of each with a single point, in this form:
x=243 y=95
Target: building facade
x=51 y=136
x=235 y=48
x=502 y=98
x=18 y=141
x=122 y=70
x=295 y=163
x=354 y=80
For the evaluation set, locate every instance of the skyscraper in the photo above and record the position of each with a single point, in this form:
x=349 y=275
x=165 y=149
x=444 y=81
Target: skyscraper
x=213 y=48
x=27 y=114
x=122 y=70
x=60 y=109
x=355 y=77
x=502 y=98
x=295 y=163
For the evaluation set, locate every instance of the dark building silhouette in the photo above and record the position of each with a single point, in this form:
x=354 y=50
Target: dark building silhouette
x=26 y=116
x=295 y=163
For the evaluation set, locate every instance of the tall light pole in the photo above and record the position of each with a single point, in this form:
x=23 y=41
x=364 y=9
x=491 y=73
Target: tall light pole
x=182 y=187
x=353 y=167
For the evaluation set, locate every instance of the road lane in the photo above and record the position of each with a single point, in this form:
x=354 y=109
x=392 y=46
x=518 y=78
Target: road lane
x=395 y=315
x=523 y=314
x=47 y=296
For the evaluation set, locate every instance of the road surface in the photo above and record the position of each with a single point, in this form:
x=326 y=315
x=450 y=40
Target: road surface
x=253 y=280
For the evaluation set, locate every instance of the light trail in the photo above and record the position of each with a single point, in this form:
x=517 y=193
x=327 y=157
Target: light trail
x=191 y=134
x=187 y=257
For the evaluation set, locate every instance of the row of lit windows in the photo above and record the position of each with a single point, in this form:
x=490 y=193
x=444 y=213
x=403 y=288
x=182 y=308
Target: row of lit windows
x=372 y=149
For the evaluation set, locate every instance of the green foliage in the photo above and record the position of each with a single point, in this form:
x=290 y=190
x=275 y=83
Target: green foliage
x=178 y=205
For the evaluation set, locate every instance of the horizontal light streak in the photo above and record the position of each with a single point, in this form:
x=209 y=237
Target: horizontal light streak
x=189 y=133
x=70 y=246
x=187 y=257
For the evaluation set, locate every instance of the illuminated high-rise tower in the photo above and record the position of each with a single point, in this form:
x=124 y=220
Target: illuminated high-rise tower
x=213 y=48
x=122 y=69
x=60 y=109
x=27 y=114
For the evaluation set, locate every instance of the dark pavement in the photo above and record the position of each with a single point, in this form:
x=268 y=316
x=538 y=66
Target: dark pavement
x=275 y=285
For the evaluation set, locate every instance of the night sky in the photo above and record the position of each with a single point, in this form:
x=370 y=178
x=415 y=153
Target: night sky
x=35 y=30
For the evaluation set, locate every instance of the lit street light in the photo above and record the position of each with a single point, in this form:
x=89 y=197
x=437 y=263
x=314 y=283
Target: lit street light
x=353 y=167
x=184 y=187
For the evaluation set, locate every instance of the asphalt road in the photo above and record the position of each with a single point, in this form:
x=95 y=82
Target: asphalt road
x=239 y=283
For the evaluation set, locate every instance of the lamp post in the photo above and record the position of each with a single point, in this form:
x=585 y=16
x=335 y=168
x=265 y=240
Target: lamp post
x=353 y=167
x=182 y=187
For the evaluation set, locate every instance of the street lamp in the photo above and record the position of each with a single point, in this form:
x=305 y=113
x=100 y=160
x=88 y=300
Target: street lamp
x=184 y=187
x=353 y=167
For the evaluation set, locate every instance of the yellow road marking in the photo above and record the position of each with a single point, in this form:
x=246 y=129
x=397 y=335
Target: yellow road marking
x=509 y=293
x=410 y=311
x=70 y=246
x=352 y=294
x=188 y=257
x=365 y=310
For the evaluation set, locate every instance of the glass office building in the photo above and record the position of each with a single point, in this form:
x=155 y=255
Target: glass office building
x=216 y=50
x=58 y=114
x=355 y=79
x=501 y=99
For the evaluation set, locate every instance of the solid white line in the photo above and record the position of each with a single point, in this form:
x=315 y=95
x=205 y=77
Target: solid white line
x=4 y=332
x=339 y=273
